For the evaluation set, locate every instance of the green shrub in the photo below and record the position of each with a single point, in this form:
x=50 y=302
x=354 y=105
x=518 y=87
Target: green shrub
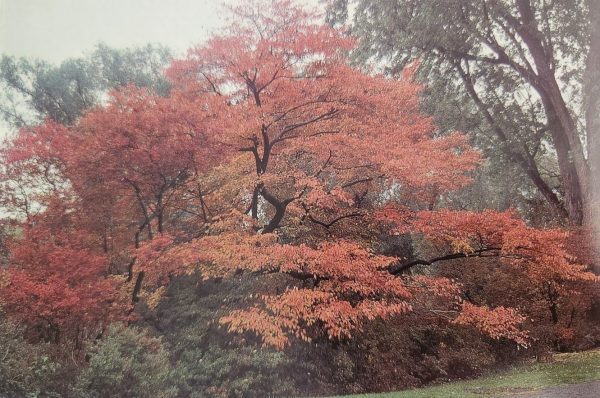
x=127 y=362
x=214 y=363
x=26 y=370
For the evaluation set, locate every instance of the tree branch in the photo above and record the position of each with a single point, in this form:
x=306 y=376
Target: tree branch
x=396 y=268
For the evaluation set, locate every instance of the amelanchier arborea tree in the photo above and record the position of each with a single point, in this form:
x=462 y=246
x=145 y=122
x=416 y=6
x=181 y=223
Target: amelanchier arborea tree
x=330 y=156
x=273 y=156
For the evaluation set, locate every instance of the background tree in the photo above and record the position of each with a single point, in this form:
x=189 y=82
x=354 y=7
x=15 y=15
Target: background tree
x=520 y=63
x=592 y=97
x=33 y=90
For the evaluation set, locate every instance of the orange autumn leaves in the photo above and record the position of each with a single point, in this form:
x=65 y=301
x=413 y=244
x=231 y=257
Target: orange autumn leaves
x=542 y=252
x=288 y=84
x=271 y=155
x=499 y=322
x=296 y=311
x=348 y=285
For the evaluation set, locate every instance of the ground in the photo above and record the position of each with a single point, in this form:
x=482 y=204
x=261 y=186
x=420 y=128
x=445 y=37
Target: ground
x=581 y=390
x=571 y=375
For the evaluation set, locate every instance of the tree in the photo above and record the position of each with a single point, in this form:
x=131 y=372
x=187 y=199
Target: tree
x=148 y=148
x=328 y=145
x=56 y=285
x=523 y=58
x=128 y=165
x=592 y=97
x=310 y=123
x=34 y=90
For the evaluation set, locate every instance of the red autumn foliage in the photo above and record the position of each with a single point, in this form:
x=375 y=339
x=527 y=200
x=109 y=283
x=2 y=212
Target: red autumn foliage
x=56 y=285
x=542 y=253
x=272 y=155
x=319 y=133
x=496 y=323
x=314 y=128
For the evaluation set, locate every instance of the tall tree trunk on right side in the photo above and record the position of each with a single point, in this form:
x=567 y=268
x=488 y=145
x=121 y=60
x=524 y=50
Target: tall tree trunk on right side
x=574 y=168
x=572 y=182
x=592 y=120
x=592 y=108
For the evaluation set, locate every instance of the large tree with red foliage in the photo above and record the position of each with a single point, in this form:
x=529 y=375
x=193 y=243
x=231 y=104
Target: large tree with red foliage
x=324 y=147
x=314 y=131
x=272 y=155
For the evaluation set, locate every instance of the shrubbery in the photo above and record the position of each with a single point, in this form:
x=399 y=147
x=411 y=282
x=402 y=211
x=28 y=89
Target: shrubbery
x=127 y=362
x=27 y=369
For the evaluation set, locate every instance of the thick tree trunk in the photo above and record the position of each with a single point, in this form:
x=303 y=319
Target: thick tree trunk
x=572 y=183
x=280 y=209
x=592 y=110
x=571 y=155
x=592 y=121
x=571 y=159
x=254 y=203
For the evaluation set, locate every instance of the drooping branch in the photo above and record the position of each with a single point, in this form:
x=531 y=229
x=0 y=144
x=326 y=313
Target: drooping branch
x=329 y=224
x=399 y=268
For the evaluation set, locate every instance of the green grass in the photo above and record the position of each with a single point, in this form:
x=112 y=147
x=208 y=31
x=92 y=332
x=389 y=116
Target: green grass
x=566 y=369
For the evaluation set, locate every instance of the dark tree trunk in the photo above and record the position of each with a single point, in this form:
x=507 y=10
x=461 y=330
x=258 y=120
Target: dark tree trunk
x=254 y=203
x=280 y=209
x=138 y=287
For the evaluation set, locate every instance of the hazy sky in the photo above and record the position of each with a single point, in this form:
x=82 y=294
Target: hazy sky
x=54 y=30
x=57 y=29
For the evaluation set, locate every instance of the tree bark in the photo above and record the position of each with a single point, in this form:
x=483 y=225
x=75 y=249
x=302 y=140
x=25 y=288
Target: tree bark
x=592 y=121
x=571 y=158
x=280 y=209
x=572 y=182
x=524 y=160
x=135 y=296
x=592 y=110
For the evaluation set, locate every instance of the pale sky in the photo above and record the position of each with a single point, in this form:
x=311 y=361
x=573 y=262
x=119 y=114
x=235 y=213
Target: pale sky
x=54 y=30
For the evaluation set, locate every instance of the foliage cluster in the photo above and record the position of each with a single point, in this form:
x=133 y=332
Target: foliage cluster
x=278 y=221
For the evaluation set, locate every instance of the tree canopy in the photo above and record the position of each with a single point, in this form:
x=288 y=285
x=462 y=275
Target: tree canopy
x=304 y=199
x=520 y=64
